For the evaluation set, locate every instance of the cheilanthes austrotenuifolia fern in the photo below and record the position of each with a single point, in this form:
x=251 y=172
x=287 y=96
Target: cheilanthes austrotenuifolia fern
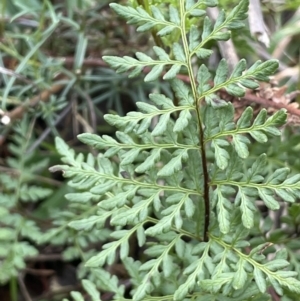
x=190 y=188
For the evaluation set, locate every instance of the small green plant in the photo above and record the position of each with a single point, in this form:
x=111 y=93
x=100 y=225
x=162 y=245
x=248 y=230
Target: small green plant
x=179 y=177
x=20 y=187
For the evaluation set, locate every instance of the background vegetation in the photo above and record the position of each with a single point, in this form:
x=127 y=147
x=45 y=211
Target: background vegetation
x=54 y=82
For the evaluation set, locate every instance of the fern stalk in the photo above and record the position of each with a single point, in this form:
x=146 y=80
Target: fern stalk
x=197 y=105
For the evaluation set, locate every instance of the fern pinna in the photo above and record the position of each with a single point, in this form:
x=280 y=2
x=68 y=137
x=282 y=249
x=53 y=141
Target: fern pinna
x=185 y=185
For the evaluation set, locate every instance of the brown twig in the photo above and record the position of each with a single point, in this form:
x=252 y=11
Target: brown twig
x=87 y=62
x=23 y=288
x=270 y=104
x=256 y=22
x=18 y=112
x=273 y=294
x=45 y=257
x=39 y=272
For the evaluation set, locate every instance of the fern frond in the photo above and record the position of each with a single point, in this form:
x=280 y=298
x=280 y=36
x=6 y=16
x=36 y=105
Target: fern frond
x=140 y=16
x=262 y=272
x=236 y=83
x=217 y=132
x=216 y=32
x=197 y=271
x=109 y=250
x=187 y=175
x=163 y=259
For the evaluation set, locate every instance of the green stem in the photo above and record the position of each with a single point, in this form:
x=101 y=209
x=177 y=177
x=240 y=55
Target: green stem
x=2 y=23
x=13 y=288
x=196 y=96
x=206 y=179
